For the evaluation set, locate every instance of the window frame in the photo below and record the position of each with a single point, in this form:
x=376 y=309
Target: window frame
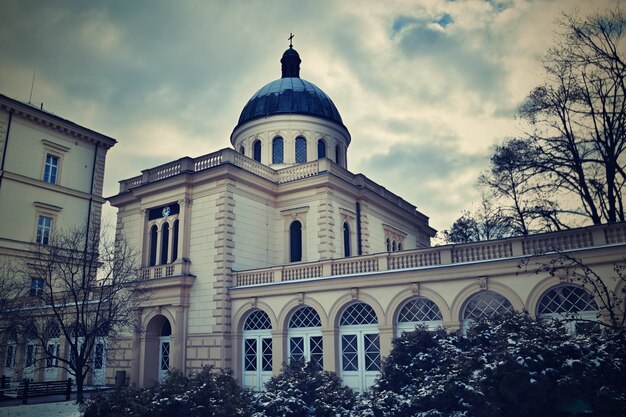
x=57 y=151
x=278 y=150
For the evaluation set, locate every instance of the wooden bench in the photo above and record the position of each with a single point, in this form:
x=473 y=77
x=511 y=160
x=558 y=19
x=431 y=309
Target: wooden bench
x=28 y=389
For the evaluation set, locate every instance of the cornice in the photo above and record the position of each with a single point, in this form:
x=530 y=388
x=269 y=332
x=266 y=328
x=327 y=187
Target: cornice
x=51 y=187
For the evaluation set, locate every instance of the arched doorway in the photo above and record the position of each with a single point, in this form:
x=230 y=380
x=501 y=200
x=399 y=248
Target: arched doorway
x=305 y=336
x=257 y=350
x=360 y=361
x=157 y=360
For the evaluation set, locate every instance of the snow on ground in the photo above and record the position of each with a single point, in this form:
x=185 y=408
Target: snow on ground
x=62 y=409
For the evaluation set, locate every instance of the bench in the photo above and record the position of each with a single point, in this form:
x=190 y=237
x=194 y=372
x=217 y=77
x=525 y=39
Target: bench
x=28 y=389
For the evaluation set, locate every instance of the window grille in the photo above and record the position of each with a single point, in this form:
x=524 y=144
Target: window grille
x=258 y=320
x=266 y=359
x=359 y=313
x=486 y=304
x=250 y=354
x=277 y=150
x=349 y=352
x=372 y=352
x=296 y=349
x=51 y=169
x=305 y=317
x=317 y=351
x=300 y=150
x=419 y=310
x=566 y=299
x=165 y=356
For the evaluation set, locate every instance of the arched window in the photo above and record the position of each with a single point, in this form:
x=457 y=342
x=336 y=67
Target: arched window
x=305 y=336
x=360 y=346
x=346 y=239
x=154 y=235
x=295 y=241
x=165 y=240
x=393 y=246
x=9 y=360
x=277 y=150
x=256 y=150
x=242 y=150
x=300 y=150
x=175 y=241
x=257 y=350
x=388 y=245
x=321 y=149
x=418 y=311
x=570 y=303
x=399 y=246
x=484 y=304
x=337 y=155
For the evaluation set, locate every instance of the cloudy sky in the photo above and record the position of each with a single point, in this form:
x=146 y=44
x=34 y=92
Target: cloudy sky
x=425 y=87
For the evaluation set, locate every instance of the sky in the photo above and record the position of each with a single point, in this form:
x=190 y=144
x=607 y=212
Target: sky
x=425 y=87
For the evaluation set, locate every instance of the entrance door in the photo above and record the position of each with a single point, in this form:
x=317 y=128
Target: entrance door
x=257 y=360
x=52 y=351
x=164 y=356
x=99 y=362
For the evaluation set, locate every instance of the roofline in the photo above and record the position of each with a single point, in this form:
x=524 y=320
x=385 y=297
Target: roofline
x=53 y=121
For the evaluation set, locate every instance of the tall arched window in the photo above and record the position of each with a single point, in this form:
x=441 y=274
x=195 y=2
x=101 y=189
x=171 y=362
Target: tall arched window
x=305 y=336
x=388 y=242
x=295 y=241
x=321 y=149
x=484 y=304
x=154 y=235
x=257 y=350
x=300 y=150
x=418 y=311
x=242 y=150
x=570 y=303
x=338 y=155
x=277 y=150
x=256 y=151
x=175 y=241
x=164 y=349
x=346 y=239
x=165 y=240
x=53 y=347
x=360 y=346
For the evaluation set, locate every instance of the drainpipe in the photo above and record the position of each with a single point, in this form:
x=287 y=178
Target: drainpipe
x=93 y=176
x=358 y=228
x=6 y=145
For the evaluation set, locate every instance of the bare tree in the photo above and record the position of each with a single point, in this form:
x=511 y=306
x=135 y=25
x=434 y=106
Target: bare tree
x=484 y=223
x=576 y=151
x=85 y=290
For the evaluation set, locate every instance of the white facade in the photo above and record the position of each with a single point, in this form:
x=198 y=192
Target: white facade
x=51 y=178
x=254 y=239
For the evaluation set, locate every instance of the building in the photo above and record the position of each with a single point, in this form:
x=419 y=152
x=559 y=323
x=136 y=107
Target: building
x=51 y=178
x=274 y=250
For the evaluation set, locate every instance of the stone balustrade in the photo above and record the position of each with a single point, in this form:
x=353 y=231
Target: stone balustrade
x=588 y=237
x=292 y=173
x=166 y=270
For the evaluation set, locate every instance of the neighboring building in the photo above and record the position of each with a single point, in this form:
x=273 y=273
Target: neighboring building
x=274 y=250
x=51 y=178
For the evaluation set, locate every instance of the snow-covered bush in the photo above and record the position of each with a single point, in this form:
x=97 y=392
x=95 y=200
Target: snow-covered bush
x=510 y=366
x=206 y=394
x=304 y=390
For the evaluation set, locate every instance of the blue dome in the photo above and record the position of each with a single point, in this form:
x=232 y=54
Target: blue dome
x=290 y=95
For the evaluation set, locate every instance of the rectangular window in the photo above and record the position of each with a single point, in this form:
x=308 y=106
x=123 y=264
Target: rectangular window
x=36 y=287
x=44 y=227
x=53 y=351
x=296 y=349
x=98 y=361
x=266 y=359
x=51 y=169
x=250 y=355
x=349 y=349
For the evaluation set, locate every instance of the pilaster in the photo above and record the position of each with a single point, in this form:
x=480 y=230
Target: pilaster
x=326 y=225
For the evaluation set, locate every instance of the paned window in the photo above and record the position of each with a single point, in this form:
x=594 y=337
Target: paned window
x=51 y=169
x=31 y=351
x=165 y=356
x=52 y=357
x=372 y=352
x=484 y=304
x=266 y=360
x=10 y=358
x=165 y=240
x=44 y=228
x=257 y=320
x=36 y=287
x=359 y=313
x=175 y=241
x=305 y=336
x=349 y=352
x=98 y=360
x=571 y=303
x=300 y=150
x=419 y=310
x=250 y=358
x=277 y=150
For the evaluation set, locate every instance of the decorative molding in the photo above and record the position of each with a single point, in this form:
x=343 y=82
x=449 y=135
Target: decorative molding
x=253 y=301
x=55 y=146
x=482 y=283
x=47 y=207
x=300 y=298
x=415 y=288
x=354 y=293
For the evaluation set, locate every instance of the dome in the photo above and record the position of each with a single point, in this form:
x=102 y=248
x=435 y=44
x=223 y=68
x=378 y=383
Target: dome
x=291 y=95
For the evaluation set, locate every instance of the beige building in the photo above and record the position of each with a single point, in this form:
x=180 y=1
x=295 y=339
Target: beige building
x=51 y=178
x=274 y=250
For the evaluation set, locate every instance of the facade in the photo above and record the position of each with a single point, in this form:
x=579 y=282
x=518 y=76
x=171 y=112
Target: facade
x=51 y=178
x=274 y=250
